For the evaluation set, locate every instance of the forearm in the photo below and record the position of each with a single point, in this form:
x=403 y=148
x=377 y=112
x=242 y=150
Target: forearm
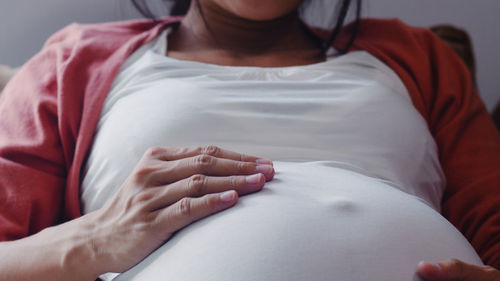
x=56 y=253
x=146 y=210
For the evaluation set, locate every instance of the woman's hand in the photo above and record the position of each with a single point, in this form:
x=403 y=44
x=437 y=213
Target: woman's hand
x=456 y=270
x=169 y=189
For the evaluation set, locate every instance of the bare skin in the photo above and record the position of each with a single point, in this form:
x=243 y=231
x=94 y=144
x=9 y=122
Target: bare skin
x=456 y=270
x=223 y=37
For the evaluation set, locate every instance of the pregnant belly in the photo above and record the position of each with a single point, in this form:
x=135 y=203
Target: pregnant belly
x=312 y=222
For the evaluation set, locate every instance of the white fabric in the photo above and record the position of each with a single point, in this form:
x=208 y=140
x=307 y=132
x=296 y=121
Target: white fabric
x=358 y=180
x=315 y=222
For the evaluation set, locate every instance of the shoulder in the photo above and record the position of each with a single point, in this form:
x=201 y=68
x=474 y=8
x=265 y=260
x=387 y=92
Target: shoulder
x=80 y=48
x=393 y=41
x=77 y=43
x=394 y=36
x=434 y=75
x=105 y=35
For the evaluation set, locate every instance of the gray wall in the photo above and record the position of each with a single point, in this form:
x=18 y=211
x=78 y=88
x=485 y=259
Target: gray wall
x=25 y=24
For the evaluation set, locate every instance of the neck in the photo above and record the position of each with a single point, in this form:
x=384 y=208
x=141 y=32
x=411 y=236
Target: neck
x=213 y=28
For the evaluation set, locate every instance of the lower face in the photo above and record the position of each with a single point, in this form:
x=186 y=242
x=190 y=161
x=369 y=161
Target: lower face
x=257 y=10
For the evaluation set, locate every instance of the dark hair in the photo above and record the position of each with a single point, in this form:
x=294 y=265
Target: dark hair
x=180 y=7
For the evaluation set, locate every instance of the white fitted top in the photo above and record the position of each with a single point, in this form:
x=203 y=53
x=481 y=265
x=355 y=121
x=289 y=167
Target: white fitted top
x=358 y=181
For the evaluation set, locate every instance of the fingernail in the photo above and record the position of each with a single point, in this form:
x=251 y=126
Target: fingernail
x=437 y=266
x=254 y=179
x=423 y=264
x=228 y=196
x=265 y=169
x=264 y=161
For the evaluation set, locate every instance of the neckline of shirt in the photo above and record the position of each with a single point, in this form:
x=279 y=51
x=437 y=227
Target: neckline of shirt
x=160 y=46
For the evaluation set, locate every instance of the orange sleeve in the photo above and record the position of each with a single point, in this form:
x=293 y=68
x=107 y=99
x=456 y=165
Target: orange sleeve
x=469 y=150
x=468 y=142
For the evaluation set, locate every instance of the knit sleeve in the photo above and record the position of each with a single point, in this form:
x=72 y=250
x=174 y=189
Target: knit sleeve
x=32 y=162
x=468 y=143
x=469 y=150
x=48 y=115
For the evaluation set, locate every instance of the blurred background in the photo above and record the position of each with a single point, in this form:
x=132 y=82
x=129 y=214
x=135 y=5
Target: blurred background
x=26 y=24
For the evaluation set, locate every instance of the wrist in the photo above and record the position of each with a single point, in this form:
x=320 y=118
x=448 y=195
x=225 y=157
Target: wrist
x=69 y=246
x=57 y=253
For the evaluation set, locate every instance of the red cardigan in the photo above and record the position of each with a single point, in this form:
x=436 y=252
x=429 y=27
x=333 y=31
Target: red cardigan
x=50 y=109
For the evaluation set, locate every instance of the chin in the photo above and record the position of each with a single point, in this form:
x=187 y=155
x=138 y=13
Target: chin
x=262 y=10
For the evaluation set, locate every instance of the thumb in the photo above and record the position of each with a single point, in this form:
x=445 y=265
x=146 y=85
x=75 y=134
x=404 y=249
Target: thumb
x=453 y=270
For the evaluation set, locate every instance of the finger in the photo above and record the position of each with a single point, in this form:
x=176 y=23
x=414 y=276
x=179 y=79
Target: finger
x=189 y=210
x=174 y=153
x=429 y=271
x=207 y=165
x=456 y=270
x=200 y=185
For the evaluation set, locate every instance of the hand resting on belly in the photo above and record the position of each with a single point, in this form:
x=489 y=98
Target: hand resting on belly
x=314 y=221
x=168 y=189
